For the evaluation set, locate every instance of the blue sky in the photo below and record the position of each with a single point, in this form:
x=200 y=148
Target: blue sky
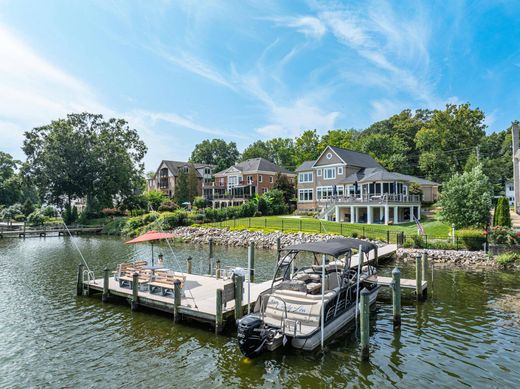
x=184 y=71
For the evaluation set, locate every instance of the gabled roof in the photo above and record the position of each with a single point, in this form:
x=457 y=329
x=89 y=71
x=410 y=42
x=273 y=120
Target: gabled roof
x=173 y=166
x=355 y=158
x=257 y=164
x=305 y=166
x=371 y=174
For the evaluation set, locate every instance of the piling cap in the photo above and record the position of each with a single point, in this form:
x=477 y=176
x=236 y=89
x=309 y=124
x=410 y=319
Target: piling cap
x=396 y=270
x=365 y=291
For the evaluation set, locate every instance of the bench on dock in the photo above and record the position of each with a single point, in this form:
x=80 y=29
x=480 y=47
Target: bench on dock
x=127 y=278
x=165 y=282
x=126 y=268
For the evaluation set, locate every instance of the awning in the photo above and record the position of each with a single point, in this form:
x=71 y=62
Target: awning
x=333 y=247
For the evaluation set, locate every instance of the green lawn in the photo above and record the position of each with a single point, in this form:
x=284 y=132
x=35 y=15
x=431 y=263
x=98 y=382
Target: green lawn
x=305 y=224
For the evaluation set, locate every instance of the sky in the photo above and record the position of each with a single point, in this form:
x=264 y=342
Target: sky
x=184 y=71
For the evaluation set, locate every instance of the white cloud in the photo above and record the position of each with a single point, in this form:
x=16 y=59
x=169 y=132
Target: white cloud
x=310 y=26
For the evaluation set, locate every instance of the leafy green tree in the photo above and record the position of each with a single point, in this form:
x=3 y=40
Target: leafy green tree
x=346 y=139
x=36 y=218
x=282 y=183
x=278 y=150
x=192 y=183
x=10 y=183
x=446 y=141
x=390 y=151
x=28 y=207
x=306 y=147
x=199 y=202
x=85 y=155
x=263 y=206
x=502 y=216
x=215 y=152
x=181 y=188
x=154 y=198
x=466 y=199
x=276 y=202
x=10 y=213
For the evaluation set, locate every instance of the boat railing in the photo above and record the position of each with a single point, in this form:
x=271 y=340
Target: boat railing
x=262 y=309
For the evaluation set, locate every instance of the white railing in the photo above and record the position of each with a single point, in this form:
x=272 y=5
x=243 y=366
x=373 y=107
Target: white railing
x=370 y=199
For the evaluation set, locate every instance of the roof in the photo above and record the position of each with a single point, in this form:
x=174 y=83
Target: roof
x=370 y=175
x=355 y=158
x=257 y=164
x=333 y=247
x=173 y=166
x=305 y=166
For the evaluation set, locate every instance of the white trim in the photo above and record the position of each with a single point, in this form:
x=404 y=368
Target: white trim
x=340 y=170
x=323 y=152
x=329 y=169
x=305 y=181
x=318 y=172
x=306 y=190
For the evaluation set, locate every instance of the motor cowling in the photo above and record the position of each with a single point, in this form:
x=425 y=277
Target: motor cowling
x=251 y=335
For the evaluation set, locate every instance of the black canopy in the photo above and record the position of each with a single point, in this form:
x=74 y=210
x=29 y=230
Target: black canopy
x=333 y=247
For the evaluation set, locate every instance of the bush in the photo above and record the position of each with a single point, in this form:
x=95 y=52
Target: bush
x=28 y=207
x=276 y=202
x=110 y=212
x=263 y=207
x=199 y=202
x=49 y=211
x=354 y=234
x=503 y=235
x=36 y=218
x=168 y=206
x=473 y=240
x=154 y=199
x=507 y=258
x=502 y=216
x=170 y=220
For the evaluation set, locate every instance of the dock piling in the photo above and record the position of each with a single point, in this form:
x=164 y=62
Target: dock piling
x=189 y=265
x=135 y=292
x=219 y=319
x=239 y=290
x=79 y=287
x=106 y=293
x=278 y=246
x=177 y=300
x=418 y=278
x=396 y=297
x=425 y=272
x=364 y=307
x=210 y=256
x=217 y=269
x=251 y=260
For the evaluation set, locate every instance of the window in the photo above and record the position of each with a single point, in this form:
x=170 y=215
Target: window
x=305 y=194
x=329 y=155
x=340 y=170
x=260 y=179
x=305 y=177
x=249 y=179
x=323 y=192
x=318 y=172
x=329 y=173
x=271 y=179
x=265 y=190
x=207 y=171
x=339 y=190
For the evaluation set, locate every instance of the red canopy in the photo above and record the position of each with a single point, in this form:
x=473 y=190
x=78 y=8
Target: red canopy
x=151 y=236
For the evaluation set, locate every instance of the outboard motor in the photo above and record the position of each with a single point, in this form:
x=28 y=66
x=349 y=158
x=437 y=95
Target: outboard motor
x=251 y=335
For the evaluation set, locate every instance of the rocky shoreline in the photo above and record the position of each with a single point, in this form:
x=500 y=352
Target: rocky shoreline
x=225 y=237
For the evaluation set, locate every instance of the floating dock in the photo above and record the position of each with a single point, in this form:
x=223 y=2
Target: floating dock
x=47 y=231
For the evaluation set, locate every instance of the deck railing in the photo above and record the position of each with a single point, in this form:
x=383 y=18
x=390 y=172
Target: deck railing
x=371 y=199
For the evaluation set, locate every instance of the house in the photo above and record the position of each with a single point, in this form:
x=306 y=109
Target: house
x=510 y=192
x=165 y=177
x=349 y=186
x=237 y=184
x=516 y=167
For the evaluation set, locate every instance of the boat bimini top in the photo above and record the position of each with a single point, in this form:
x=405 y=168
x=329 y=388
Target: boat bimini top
x=333 y=247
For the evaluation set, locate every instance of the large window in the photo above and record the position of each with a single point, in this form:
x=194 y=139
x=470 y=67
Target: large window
x=305 y=194
x=339 y=190
x=324 y=192
x=305 y=177
x=329 y=173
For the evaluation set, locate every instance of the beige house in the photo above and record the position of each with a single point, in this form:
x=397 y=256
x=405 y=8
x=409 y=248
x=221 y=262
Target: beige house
x=165 y=177
x=350 y=186
x=238 y=183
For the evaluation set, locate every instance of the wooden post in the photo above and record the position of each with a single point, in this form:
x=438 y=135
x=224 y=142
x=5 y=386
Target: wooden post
x=210 y=256
x=189 y=265
x=418 y=278
x=278 y=247
x=219 y=318
x=177 y=300
x=364 y=307
x=106 y=293
x=396 y=297
x=79 y=286
x=217 y=269
x=135 y=292
x=239 y=288
x=388 y=236
x=251 y=260
x=24 y=230
x=376 y=257
x=424 y=272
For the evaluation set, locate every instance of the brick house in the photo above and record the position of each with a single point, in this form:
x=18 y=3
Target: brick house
x=349 y=186
x=165 y=177
x=240 y=182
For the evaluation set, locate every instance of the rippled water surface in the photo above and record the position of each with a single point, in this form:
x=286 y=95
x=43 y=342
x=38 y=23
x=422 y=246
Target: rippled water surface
x=51 y=338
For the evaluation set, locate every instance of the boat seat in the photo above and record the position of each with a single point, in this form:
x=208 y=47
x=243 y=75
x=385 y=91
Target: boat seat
x=294 y=285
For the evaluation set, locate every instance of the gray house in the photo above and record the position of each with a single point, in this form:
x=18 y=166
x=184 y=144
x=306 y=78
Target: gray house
x=349 y=186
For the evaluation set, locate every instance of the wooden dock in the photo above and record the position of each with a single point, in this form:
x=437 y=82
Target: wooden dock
x=199 y=299
x=405 y=283
x=25 y=232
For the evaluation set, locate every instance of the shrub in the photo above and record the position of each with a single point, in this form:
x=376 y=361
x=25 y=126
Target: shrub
x=154 y=198
x=502 y=216
x=473 y=240
x=263 y=207
x=276 y=202
x=110 y=212
x=507 y=258
x=354 y=234
x=49 y=211
x=19 y=217
x=199 y=202
x=169 y=220
x=503 y=235
x=36 y=218
x=168 y=206
x=28 y=207
x=418 y=242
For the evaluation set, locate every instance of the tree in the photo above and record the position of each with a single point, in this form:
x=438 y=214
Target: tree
x=193 y=183
x=199 y=202
x=28 y=207
x=85 y=156
x=446 y=141
x=181 y=188
x=276 y=202
x=278 y=150
x=346 y=139
x=215 y=152
x=263 y=206
x=502 y=216
x=466 y=199
x=390 y=151
x=10 y=184
x=11 y=212
x=282 y=183
x=306 y=147
x=154 y=199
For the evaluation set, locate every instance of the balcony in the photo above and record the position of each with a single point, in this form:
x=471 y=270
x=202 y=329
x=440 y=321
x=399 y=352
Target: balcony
x=372 y=199
x=239 y=192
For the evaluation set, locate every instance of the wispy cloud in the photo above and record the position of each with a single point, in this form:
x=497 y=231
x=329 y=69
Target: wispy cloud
x=310 y=26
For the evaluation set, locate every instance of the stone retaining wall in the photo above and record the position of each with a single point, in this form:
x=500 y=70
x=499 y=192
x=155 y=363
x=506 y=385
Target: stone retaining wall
x=475 y=259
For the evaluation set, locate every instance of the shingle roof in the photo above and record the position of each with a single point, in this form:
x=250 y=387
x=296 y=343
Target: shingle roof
x=258 y=164
x=305 y=166
x=371 y=174
x=356 y=158
x=173 y=166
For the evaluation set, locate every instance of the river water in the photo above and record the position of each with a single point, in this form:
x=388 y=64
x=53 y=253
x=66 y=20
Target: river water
x=51 y=338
